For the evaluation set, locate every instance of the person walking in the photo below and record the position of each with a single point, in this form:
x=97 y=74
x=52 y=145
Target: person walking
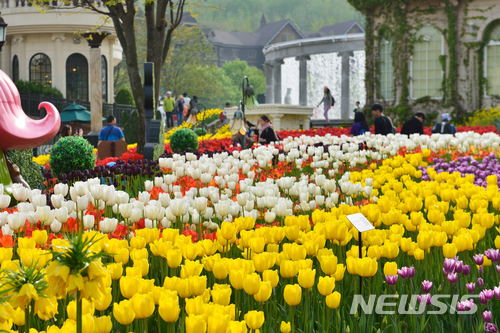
x=179 y=106
x=193 y=110
x=383 y=124
x=360 y=125
x=415 y=125
x=168 y=108
x=357 y=107
x=445 y=126
x=328 y=102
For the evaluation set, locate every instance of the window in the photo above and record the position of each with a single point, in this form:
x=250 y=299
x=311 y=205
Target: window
x=492 y=62
x=40 y=69
x=427 y=72
x=104 y=76
x=15 y=68
x=386 y=70
x=252 y=54
x=77 y=78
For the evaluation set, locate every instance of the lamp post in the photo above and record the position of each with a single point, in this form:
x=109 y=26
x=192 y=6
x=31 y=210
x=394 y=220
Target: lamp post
x=3 y=32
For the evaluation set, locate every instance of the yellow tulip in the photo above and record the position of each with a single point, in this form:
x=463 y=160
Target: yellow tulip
x=251 y=283
x=220 y=269
x=87 y=308
x=237 y=327
x=264 y=293
x=236 y=277
x=307 y=278
x=228 y=230
x=115 y=270
x=195 y=324
x=449 y=250
x=103 y=324
x=419 y=254
x=124 y=312
x=174 y=258
x=497 y=242
x=17 y=316
x=129 y=285
x=292 y=294
x=169 y=309
x=40 y=236
x=288 y=268
x=326 y=284
x=104 y=301
x=254 y=319
x=390 y=268
x=333 y=300
x=143 y=304
x=339 y=273
x=26 y=294
x=221 y=295
x=328 y=264
x=285 y=327
x=271 y=276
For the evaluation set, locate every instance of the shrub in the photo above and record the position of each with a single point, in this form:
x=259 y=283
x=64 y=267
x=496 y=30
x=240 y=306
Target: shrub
x=30 y=171
x=38 y=88
x=124 y=96
x=72 y=153
x=484 y=117
x=200 y=131
x=184 y=140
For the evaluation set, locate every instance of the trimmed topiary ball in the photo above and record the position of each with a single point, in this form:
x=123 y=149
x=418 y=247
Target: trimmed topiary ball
x=200 y=131
x=184 y=140
x=72 y=153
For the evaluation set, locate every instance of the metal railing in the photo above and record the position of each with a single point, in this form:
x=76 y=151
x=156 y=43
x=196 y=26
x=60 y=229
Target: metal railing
x=49 y=4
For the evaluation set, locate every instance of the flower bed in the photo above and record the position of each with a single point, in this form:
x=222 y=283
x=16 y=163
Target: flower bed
x=259 y=240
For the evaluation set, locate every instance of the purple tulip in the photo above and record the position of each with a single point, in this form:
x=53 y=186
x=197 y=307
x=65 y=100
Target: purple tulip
x=426 y=286
x=486 y=295
x=478 y=259
x=496 y=291
x=465 y=269
x=425 y=298
x=406 y=272
x=452 y=277
x=498 y=268
x=480 y=282
x=490 y=328
x=465 y=305
x=471 y=286
x=391 y=279
x=492 y=254
x=487 y=316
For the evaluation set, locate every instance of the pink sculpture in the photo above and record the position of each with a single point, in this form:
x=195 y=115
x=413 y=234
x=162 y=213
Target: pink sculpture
x=18 y=131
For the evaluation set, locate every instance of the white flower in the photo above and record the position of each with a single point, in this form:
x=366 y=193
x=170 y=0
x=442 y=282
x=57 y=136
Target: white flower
x=6 y=230
x=165 y=222
x=136 y=215
x=88 y=221
x=108 y=225
x=4 y=201
x=61 y=214
x=200 y=204
x=148 y=185
x=38 y=200
x=82 y=202
x=43 y=213
x=3 y=218
x=15 y=221
x=269 y=217
x=125 y=210
x=144 y=197
x=56 y=200
x=61 y=189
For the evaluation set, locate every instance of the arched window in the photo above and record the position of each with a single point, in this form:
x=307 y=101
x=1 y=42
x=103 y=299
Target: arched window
x=492 y=61
x=77 y=78
x=15 y=68
x=386 y=70
x=427 y=72
x=41 y=69
x=104 y=76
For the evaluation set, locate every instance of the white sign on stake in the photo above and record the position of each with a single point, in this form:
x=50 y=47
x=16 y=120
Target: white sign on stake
x=360 y=222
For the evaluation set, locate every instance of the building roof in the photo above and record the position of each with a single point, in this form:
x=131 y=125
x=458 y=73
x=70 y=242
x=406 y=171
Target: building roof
x=265 y=34
x=344 y=28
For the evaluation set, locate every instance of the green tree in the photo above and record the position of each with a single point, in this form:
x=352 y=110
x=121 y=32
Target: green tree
x=237 y=70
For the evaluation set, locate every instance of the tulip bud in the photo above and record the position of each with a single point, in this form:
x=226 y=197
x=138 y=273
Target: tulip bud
x=88 y=221
x=55 y=226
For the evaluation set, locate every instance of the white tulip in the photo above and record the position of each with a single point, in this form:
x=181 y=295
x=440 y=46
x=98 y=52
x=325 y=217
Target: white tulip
x=200 y=204
x=125 y=210
x=61 y=189
x=19 y=192
x=88 y=221
x=3 y=218
x=56 y=200
x=165 y=222
x=122 y=197
x=4 y=201
x=82 y=202
x=108 y=225
x=43 y=213
x=1 y=188
x=144 y=197
x=15 y=221
x=135 y=215
x=148 y=224
x=148 y=185
x=61 y=214
x=270 y=217
x=6 y=230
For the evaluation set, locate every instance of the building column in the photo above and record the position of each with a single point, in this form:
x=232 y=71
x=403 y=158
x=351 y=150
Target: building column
x=59 y=64
x=345 y=99
x=6 y=64
x=268 y=70
x=303 y=79
x=276 y=121
x=22 y=58
x=95 y=79
x=277 y=81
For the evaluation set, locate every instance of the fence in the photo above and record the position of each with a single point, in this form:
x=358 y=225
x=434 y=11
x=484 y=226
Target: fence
x=126 y=115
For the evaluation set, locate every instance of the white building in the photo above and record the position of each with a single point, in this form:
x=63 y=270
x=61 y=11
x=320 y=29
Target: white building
x=47 y=47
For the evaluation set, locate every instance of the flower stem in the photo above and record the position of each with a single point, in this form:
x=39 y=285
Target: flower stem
x=79 y=327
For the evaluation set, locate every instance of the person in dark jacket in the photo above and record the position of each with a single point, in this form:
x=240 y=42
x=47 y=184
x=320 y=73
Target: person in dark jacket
x=360 y=126
x=415 y=125
x=383 y=125
x=179 y=109
x=266 y=132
